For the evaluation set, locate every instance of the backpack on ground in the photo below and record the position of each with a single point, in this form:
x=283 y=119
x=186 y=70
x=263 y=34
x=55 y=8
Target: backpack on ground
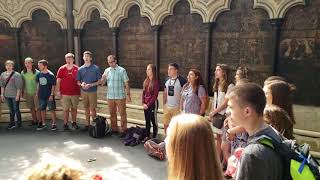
x=134 y=136
x=156 y=148
x=99 y=127
x=298 y=163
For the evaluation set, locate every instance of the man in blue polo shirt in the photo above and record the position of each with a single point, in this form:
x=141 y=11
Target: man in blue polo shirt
x=118 y=93
x=88 y=78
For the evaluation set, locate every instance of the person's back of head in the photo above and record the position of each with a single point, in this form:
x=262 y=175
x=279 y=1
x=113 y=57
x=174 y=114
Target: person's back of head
x=191 y=149
x=274 y=78
x=279 y=119
x=56 y=169
x=281 y=92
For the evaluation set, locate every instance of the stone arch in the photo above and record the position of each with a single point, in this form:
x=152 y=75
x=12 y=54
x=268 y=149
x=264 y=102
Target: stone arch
x=27 y=10
x=209 y=11
x=85 y=12
x=123 y=14
x=169 y=11
x=277 y=9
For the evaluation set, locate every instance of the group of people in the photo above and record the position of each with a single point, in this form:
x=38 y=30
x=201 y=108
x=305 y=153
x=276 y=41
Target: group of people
x=41 y=87
x=241 y=111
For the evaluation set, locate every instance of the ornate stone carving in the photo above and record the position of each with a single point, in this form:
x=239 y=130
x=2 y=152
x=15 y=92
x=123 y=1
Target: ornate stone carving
x=277 y=8
x=155 y=10
x=18 y=11
x=209 y=9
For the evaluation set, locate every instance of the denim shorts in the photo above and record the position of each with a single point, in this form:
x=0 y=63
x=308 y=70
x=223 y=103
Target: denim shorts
x=44 y=103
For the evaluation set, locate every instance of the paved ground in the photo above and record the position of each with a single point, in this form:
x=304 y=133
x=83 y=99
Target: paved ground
x=21 y=148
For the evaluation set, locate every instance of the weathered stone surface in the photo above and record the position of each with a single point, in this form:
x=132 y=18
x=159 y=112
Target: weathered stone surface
x=7 y=44
x=243 y=36
x=300 y=52
x=42 y=39
x=182 y=40
x=97 y=38
x=135 y=46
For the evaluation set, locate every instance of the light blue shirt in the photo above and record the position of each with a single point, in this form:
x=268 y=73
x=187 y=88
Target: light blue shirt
x=116 y=78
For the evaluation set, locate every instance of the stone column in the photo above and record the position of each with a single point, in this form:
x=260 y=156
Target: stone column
x=78 y=46
x=207 y=59
x=156 y=47
x=19 y=64
x=115 y=33
x=276 y=31
x=70 y=24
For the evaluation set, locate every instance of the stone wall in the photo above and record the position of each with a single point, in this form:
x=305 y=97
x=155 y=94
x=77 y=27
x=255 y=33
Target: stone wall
x=241 y=34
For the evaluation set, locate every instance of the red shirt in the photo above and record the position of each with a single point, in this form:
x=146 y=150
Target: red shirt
x=68 y=83
x=150 y=97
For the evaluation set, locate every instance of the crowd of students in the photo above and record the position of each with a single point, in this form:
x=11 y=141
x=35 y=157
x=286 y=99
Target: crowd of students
x=241 y=111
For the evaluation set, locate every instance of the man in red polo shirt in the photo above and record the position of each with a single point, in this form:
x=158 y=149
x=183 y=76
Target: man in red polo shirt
x=69 y=90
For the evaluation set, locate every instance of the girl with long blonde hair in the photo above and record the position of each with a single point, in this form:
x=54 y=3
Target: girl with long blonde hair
x=191 y=149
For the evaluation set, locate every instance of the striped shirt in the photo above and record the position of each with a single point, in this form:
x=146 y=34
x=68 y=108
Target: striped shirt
x=116 y=78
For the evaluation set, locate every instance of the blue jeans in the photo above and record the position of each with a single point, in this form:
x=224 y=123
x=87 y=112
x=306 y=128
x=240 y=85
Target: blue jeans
x=14 y=109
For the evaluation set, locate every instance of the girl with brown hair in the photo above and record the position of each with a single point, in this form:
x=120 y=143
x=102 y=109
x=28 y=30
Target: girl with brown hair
x=279 y=119
x=193 y=94
x=222 y=84
x=150 y=93
x=280 y=93
x=191 y=149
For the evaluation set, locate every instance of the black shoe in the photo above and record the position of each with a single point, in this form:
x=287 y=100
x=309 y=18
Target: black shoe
x=40 y=127
x=54 y=127
x=66 y=127
x=74 y=126
x=11 y=126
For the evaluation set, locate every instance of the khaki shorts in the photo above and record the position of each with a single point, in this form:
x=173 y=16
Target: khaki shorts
x=32 y=101
x=69 y=102
x=89 y=99
x=169 y=113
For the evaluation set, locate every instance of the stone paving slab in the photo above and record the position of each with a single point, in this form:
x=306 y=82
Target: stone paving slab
x=21 y=148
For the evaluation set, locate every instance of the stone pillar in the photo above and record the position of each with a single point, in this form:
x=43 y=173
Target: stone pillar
x=70 y=24
x=276 y=31
x=156 y=47
x=78 y=47
x=207 y=59
x=19 y=64
x=115 y=33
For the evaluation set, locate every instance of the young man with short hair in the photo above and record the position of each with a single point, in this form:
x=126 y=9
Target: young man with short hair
x=69 y=90
x=88 y=78
x=46 y=82
x=11 y=87
x=172 y=94
x=118 y=93
x=29 y=74
x=245 y=106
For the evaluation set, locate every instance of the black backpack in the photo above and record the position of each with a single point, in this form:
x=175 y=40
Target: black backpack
x=99 y=127
x=298 y=163
x=134 y=136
